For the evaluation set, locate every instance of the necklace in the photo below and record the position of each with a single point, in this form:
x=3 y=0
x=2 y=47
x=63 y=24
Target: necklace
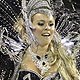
x=42 y=62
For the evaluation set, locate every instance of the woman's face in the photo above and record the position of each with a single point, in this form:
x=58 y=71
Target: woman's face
x=44 y=28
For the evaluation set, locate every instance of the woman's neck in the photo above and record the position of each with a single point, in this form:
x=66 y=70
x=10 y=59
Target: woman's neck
x=40 y=49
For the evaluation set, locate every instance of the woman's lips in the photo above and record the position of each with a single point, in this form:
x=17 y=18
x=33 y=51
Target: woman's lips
x=46 y=34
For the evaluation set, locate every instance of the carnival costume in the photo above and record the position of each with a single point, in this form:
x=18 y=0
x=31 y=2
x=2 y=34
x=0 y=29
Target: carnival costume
x=12 y=45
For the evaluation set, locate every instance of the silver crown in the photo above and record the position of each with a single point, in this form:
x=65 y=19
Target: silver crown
x=35 y=6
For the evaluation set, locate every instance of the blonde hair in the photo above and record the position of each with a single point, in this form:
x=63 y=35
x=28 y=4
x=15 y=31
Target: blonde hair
x=67 y=67
x=19 y=27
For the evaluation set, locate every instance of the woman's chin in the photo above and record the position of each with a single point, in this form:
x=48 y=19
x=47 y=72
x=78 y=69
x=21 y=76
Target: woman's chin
x=45 y=42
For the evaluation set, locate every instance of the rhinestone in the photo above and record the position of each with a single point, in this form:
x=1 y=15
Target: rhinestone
x=46 y=55
x=43 y=63
x=38 y=57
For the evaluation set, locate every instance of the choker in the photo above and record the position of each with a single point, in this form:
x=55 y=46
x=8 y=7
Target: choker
x=44 y=62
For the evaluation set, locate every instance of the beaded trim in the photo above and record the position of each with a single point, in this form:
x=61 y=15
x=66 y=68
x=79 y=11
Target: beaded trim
x=42 y=63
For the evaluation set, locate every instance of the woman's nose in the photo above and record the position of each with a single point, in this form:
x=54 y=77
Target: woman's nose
x=47 y=27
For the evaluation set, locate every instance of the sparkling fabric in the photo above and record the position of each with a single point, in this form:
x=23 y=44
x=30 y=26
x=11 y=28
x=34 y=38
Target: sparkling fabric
x=67 y=25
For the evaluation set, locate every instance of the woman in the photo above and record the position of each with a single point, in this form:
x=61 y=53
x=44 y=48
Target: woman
x=46 y=58
x=49 y=55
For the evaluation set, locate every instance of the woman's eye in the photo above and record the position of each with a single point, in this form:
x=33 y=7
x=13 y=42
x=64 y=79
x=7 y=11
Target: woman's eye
x=41 y=24
x=51 y=24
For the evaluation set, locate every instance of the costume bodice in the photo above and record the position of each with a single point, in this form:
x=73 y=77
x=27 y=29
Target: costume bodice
x=32 y=75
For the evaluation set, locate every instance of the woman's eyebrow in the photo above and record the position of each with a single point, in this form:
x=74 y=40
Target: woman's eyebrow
x=50 y=21
x=42 y=20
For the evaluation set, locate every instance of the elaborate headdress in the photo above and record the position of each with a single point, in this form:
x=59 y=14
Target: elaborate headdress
x=29 y=9
x=35 y=6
